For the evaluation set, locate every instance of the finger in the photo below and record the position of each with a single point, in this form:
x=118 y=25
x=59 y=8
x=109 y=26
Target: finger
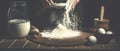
x=45 y=5
x=78 y=1
x=48 y=1
x=52 y=2
x=75 y=3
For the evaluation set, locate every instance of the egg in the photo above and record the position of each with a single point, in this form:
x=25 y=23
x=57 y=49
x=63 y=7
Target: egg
x=101 y=31
x=109 y=32
x=92 y=39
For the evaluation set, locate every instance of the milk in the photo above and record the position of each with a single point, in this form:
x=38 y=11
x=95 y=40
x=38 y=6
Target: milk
x=18 y=27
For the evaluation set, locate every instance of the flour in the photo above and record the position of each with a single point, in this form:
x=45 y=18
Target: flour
x=61 y=32
x=66 y=28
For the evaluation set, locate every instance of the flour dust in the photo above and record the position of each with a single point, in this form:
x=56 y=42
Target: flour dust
x=67 y=25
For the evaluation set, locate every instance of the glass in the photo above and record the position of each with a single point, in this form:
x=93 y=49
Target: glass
x=17 y=10
x=18 y=20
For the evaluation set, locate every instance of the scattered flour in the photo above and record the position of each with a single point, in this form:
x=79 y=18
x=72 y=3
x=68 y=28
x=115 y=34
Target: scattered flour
x=60 y=32
x=63 y=29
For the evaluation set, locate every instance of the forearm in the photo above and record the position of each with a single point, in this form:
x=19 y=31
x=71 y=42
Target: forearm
x=71 y=4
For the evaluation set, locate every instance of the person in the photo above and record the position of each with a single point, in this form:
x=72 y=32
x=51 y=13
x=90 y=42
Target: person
x=70 y=4
x=41 y=10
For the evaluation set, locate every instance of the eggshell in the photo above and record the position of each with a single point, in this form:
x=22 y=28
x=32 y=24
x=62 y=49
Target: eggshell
x=92 y=39
x=101 y=31
x=109 y=32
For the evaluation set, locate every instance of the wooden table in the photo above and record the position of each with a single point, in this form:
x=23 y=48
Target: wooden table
x=25 y=44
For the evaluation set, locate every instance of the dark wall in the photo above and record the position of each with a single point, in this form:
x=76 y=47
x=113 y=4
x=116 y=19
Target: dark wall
x=115 y=17
x=3 y=16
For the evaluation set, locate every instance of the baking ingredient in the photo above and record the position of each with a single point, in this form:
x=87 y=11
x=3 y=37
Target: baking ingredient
x=18 y=27
x=101 y=31
x=109 y=32
x=92 y=39
x=61 y=32
x=67 y=26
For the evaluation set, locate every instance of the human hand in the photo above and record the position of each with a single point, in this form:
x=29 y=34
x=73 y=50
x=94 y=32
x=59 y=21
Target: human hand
x=71 y=4
x=47 y=3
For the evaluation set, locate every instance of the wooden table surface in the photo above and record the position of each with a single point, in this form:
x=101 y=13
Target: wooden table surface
x=24 y=43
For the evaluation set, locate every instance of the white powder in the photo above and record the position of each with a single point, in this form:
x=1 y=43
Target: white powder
x=65 y=28
x=60 y=32
x=17 y=21
x=60 y=4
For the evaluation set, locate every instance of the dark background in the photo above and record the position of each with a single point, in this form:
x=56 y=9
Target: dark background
x=90 y=10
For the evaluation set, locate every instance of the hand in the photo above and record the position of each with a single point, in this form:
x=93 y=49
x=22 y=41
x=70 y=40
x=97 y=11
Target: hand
x=71 y=4
x=74 y=3
x=48 y=3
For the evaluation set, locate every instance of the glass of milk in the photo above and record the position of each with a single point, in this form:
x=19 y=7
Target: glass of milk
x=18 y=20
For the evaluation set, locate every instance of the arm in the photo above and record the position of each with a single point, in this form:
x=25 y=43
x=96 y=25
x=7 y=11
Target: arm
x=71 y=4
x=47 y=3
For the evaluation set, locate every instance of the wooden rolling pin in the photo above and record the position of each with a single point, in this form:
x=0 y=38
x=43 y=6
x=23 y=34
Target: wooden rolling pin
x=102 y=13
